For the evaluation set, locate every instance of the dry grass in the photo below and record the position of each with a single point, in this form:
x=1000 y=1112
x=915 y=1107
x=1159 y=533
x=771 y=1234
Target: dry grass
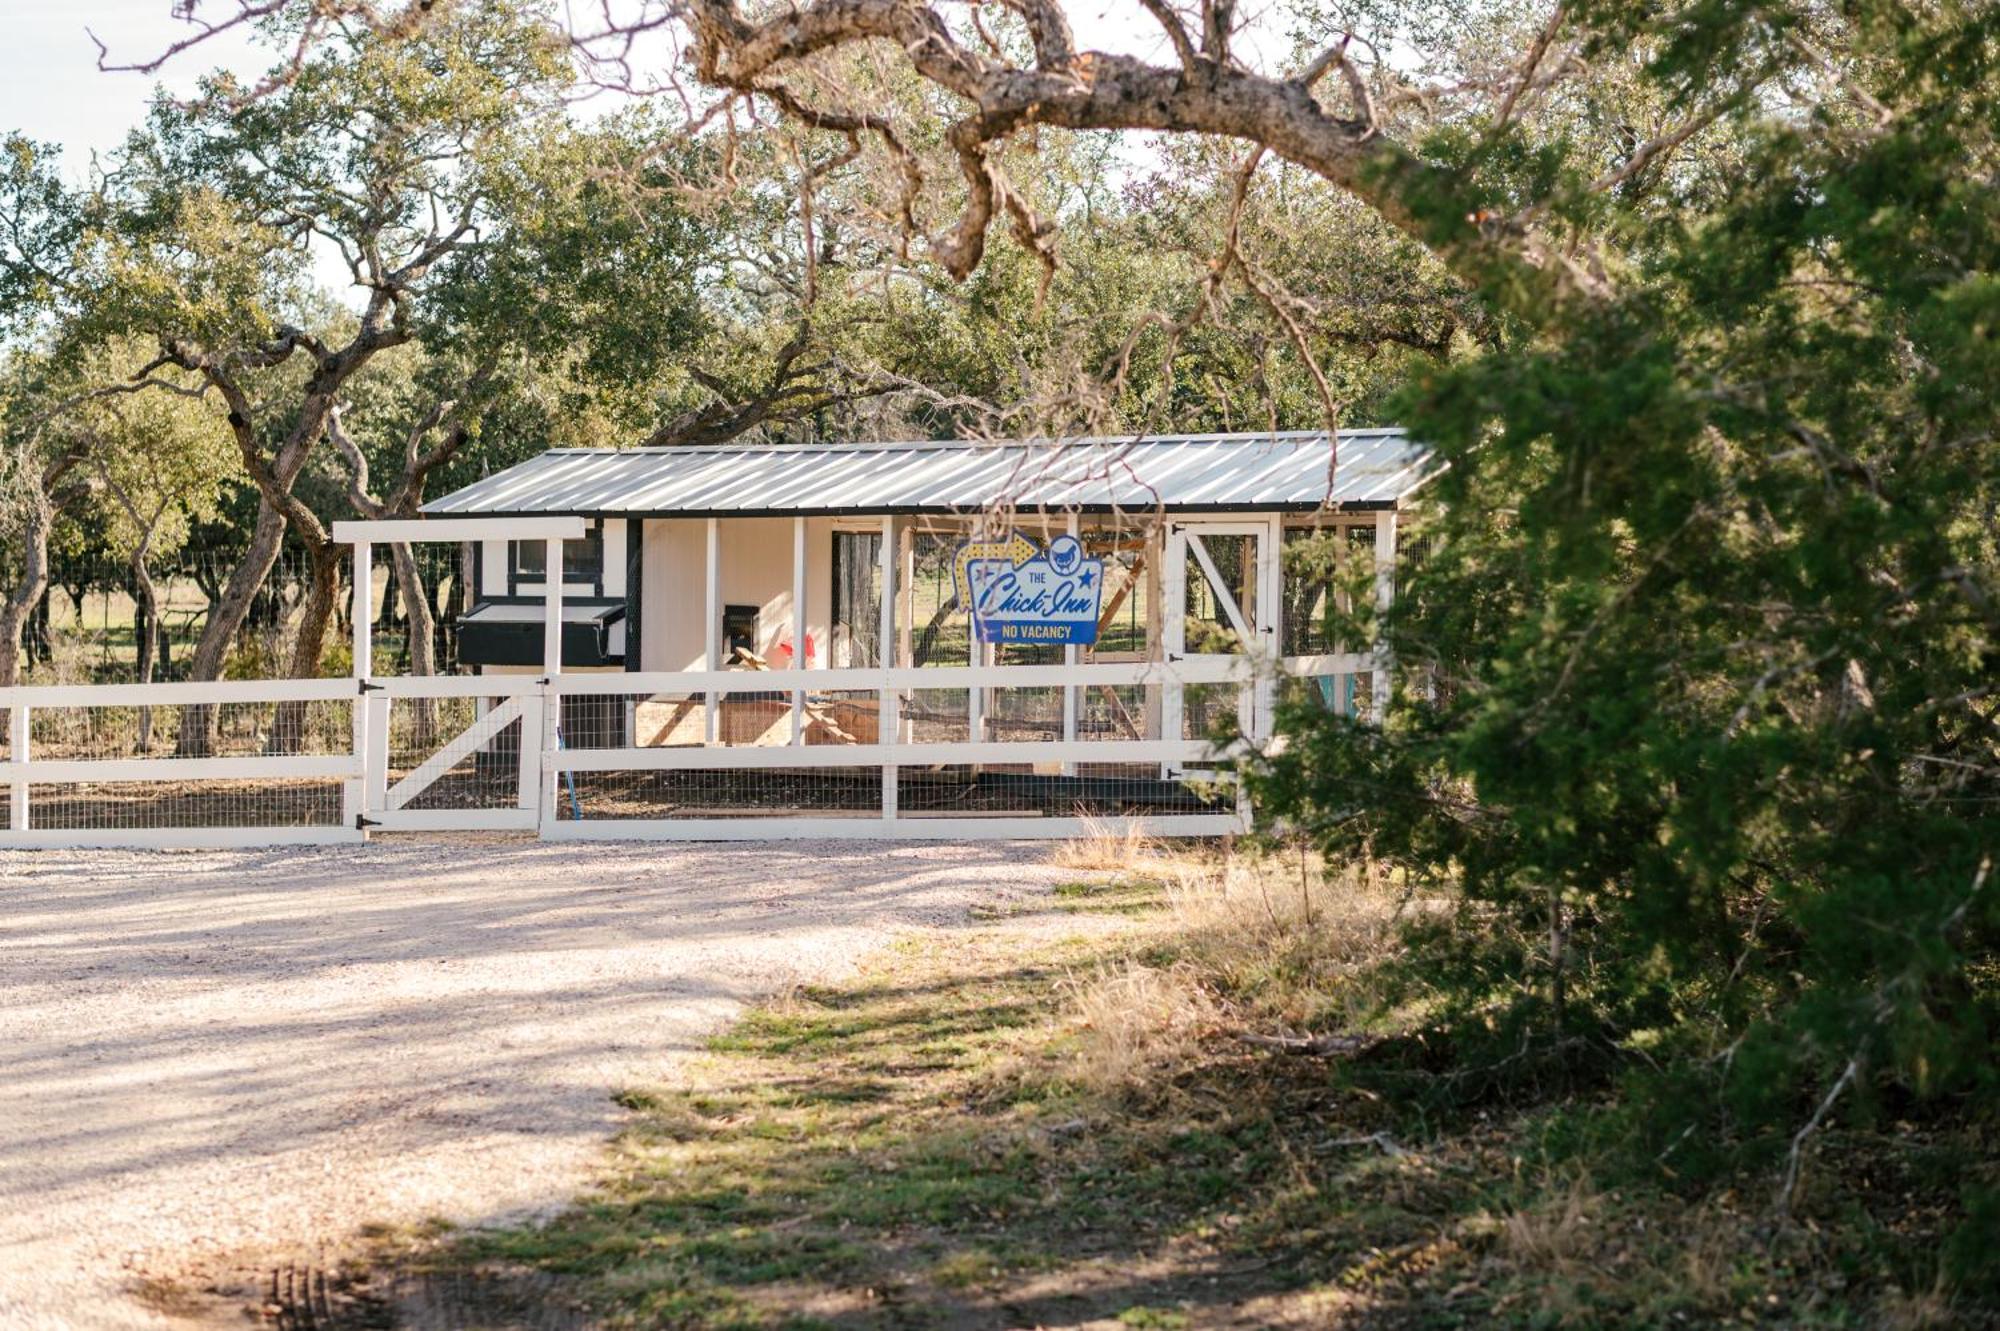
x=1271 y=943
x=1105 y=849
x=1134 y=1021
x=1555 y=1233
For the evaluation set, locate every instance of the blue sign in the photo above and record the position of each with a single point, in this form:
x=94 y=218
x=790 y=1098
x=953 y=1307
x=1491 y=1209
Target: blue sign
x=1017 y=592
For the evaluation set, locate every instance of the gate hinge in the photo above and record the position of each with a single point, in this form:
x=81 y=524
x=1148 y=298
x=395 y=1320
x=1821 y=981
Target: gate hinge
x=367 y=687
x=363 y=822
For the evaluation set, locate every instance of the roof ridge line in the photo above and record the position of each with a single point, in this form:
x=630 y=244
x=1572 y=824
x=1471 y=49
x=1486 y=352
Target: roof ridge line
x=1065 y=441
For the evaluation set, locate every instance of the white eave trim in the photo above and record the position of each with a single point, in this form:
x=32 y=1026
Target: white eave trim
x=555 y=528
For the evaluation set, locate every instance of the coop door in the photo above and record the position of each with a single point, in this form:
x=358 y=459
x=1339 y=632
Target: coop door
x=1220 y=591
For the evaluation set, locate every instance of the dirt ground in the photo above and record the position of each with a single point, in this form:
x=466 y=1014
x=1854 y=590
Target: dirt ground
x=210 y=1061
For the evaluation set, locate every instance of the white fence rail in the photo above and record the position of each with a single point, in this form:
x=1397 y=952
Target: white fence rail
x=948 y=752
x=107 y=765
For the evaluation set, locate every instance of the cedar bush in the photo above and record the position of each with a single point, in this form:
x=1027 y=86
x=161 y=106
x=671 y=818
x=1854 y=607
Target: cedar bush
x=1698 y=689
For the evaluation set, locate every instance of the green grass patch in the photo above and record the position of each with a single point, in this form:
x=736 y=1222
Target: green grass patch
x=920 y=1149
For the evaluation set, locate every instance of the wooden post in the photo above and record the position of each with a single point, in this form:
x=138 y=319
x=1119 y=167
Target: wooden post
x=1269 y=624
x=888 y=724
x=362 y=609
x=975 y=656
x=17 y=739
x=1173 y=636
x=712 y=634
x=906 y=608
x=798 y=626
x=541 y=726
x=552 y=597
x=353 y=791
x=1156 y=643
x=1072 y=654
x=1385 y=595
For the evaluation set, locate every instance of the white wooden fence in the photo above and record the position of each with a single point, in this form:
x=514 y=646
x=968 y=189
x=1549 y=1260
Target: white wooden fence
x=494 y=756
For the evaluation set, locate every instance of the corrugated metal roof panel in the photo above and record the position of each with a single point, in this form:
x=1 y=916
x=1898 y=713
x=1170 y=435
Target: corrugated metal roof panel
x=1292 y=470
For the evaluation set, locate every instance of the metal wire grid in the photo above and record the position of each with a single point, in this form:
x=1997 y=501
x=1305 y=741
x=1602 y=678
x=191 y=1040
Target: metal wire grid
x=164 y=731
x=723 y=793
x=486 y=776
x=1099 y=790
x=1023 y=717
x=956 y=790
x=235 y=730
x=117 y=806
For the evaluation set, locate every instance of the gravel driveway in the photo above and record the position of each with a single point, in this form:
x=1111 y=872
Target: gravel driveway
x=209 y=1059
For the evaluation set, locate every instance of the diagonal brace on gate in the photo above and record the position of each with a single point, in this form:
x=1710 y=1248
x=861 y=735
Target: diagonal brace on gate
x=467 y=742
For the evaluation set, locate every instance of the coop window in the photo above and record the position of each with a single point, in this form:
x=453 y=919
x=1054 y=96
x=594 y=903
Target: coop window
x=739 y=630
x=582 y=559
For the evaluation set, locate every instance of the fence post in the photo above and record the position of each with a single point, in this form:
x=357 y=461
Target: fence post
x=1173 y=628
x=354 y=791
x=1071 y=655
x=1385 y=594
x=536 y=784
x=17 y=734
x=888 y=725
x=711 y=649
x=799 y=627
x=375 y=711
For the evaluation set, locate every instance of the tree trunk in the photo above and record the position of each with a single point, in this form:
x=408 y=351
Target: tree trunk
x=422 y=637
x=29 y=592
x=225 y=619
x=146 y=636
x=308 y=645
x=41 y=637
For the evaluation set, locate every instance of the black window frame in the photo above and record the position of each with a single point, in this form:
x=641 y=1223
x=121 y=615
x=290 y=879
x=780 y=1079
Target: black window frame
x=591 y=542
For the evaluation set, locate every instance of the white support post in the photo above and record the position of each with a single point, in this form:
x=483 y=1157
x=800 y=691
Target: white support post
x=541 y=728
x=363 y=608
x=975 y=656
x=712 y=635
x=354 y=791
x=798 y=626
x=1173 y=634
x=1269 y=622
x=552 y=600
x=17 y=741
x=375 y=771
x=535 y=782
x=888 y=724
x=1385 y=594
x=1072 y=654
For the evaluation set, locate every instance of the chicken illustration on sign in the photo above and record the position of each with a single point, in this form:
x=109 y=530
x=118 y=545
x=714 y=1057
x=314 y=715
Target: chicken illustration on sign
x=1019 y=593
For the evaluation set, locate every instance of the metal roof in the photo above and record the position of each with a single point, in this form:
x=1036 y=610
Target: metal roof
x=1291 y=470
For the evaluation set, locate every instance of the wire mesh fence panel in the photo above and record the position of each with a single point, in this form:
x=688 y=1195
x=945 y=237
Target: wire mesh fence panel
x=1026 y=715
x=454 y=753
x=1096 y=790
x=936 y=716
x=1210 y=712
x=167 y=804
x=1346 y=693
x=722 y=793
x=849 y=716
x=207 y=730
x=1116 y=711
